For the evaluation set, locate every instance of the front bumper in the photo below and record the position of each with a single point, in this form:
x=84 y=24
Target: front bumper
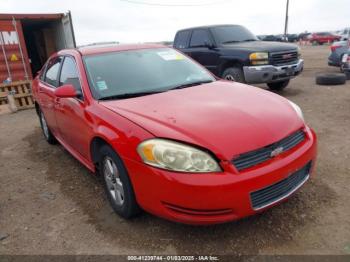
x=217 y=197
x=270 y=73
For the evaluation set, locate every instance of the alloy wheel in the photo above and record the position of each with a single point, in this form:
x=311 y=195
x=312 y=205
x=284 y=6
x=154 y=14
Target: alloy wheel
x=113 y=182
x=44 y=126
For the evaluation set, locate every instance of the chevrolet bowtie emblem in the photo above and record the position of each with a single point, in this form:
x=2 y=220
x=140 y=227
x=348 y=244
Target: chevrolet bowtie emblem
x=276 y=151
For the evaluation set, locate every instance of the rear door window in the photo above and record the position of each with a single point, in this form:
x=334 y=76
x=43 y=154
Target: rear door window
x=181 y=39
x=200 y=38
x=52 y=71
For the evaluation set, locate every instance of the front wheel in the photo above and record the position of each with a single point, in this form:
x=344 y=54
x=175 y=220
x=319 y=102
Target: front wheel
x=117 y=184
x=234 y=74
x=278 y=86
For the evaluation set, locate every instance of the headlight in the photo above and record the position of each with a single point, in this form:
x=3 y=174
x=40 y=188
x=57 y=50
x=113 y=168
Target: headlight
x=259 y=58
x=176 y=156
x=297 y=109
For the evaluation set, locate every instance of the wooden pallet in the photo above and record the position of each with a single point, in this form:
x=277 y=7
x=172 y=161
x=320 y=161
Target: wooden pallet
x=21 y=91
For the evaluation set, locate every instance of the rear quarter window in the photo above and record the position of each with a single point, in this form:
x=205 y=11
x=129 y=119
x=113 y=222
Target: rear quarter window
x=181 y=39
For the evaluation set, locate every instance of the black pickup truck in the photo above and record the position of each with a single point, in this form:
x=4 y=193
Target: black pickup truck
x=232 y=52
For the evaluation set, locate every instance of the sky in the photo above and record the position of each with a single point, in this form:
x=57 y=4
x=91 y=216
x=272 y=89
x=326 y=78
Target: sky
x=126 y=21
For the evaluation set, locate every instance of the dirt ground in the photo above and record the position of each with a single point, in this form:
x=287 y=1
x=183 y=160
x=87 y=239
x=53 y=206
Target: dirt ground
x=50 y=204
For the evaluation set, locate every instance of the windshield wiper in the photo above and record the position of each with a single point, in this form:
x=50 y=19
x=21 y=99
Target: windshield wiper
x=236 y=41
x=129 y=95
x=191 y=84
x=249 y=40
x=231 y=42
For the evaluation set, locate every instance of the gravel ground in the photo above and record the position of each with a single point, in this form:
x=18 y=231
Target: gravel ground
x=50 y=204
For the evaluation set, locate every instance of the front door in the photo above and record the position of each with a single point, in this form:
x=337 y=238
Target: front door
x=72 y=121
x=201 y=50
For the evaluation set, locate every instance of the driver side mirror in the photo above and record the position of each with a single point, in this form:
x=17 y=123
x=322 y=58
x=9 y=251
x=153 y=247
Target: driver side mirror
x=66 y=91
x=209 y=45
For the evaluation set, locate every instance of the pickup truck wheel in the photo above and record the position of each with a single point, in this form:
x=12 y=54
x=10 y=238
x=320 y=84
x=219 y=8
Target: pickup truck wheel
x=234 y=74
x=117 y=184
x=278 y=86
x=49 y=137
x=330 y=79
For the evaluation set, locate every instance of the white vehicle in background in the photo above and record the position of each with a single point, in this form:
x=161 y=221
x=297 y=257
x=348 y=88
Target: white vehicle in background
x=345 y=34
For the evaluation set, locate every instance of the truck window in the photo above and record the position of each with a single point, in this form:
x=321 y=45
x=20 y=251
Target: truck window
x=52 y=71
x=200 y=37
x=69 y=74
x=233 y=33
x=181 y=39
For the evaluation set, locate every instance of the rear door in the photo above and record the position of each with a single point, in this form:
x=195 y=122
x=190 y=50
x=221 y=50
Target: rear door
x=68 y=32
x=46 y=92
x=200 y=51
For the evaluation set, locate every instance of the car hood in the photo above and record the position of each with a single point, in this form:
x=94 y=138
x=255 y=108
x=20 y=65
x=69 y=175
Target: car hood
x=224 y=117
x=261 y=46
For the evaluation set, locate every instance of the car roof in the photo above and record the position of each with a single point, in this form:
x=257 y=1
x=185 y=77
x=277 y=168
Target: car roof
x=107 y=48
x=207 y=26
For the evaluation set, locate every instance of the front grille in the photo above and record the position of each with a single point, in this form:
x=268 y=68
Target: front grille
x=261 y=155
x=280 y=190
x=284 y=58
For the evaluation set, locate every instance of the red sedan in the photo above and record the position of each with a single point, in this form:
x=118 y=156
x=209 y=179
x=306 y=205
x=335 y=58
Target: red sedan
x=170 y=138
x=323 y=38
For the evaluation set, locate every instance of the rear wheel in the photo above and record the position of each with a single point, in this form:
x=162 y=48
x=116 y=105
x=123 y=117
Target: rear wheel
x=278 y=86
x=234 y=74
x=49 y=137
x=117 y=184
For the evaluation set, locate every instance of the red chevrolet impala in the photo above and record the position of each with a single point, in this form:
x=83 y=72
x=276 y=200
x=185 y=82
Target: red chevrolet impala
x=170 y=138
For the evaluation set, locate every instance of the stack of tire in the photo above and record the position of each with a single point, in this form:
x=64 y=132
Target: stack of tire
x=336 y=78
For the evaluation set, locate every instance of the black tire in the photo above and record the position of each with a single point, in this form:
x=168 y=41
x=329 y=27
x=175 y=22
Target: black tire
x=347 y=74
x=49 y=137
x=278 y=86
x=234 y=74
x=129 y=208
x=330 y=79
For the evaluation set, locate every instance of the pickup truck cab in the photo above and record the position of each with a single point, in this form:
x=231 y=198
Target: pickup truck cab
x=232 y=52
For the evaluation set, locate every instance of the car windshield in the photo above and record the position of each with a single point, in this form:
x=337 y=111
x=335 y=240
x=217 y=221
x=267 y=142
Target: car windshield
x=126 y=74
x=232 y=34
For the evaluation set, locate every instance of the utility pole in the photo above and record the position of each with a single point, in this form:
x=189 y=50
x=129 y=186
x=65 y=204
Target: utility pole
x=286 y=22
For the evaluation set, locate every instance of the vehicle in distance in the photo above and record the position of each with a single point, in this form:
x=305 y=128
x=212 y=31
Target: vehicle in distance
x=232 y=52
x=292 y=38
x=338 y=50
x=168 y=137
x=323 y=38
x=344 y=34
x=271 y=38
